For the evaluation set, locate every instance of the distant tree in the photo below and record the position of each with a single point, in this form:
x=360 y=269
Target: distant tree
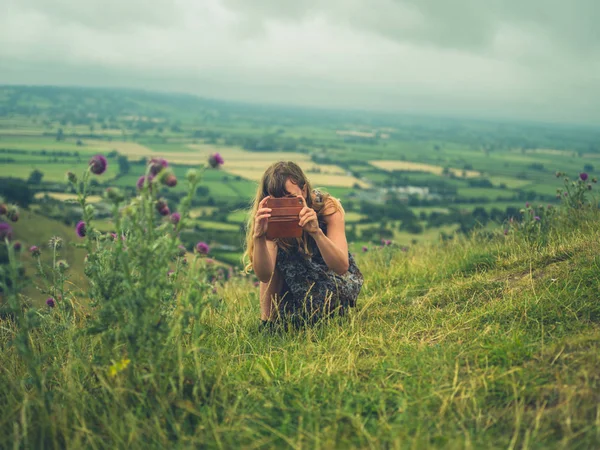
x=123 y=164
x=588 y=168
x=79 y=142
x=60 y=135
x=35 y=177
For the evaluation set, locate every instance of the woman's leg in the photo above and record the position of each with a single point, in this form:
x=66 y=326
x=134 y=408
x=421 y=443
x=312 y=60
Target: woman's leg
x=269 y=296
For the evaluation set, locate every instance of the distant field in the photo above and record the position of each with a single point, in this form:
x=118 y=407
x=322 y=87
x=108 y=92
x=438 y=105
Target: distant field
x=65 y=196
x=52 y=172
x=420 y=167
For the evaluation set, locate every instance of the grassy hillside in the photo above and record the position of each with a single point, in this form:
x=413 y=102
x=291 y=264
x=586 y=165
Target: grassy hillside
x=486 y=342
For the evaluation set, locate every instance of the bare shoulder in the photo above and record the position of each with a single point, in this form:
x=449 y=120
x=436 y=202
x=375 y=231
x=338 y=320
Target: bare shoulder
x=333 y=210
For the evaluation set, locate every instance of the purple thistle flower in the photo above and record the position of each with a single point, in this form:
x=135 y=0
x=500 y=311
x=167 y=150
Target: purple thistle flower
x=175 y=218
x=365 y=249
x=566 y=194
x=182 y=250
x=583 y=176
x=527 y=205
x=505 y=232
x=170 y=180
x=17 y=246
x=210 y=261
x=388 y=242
x=98 y=164
x=142 y=181
x=537 y=218
x=35 y=250
x=170 y=273
x=157 y=165
x=215 y=160
x=80 y=229
x=5 y=231
x=50 y=302
x=202 y=247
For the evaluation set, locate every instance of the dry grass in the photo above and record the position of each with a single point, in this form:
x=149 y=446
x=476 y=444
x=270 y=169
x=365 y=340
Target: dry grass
x=409 y=166
x=66 y=197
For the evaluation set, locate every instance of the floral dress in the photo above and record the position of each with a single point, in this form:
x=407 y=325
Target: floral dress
x=312 y=290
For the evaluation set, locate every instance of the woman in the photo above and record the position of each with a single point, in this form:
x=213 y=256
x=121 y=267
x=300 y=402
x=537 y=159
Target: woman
x=306 y=278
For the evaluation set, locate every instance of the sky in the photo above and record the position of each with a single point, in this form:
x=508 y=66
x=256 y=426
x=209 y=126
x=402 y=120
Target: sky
x=523 y=59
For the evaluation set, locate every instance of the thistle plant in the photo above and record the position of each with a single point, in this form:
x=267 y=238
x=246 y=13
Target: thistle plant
x=575 y=193
x=138 y=275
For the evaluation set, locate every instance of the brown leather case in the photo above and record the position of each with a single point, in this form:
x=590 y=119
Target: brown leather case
x=285 y=216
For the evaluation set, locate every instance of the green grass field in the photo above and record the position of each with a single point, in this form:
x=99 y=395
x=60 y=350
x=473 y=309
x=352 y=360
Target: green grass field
x=469 y=344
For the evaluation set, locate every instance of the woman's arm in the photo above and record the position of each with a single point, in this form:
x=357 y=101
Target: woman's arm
x=333 y=246
x=264 y=258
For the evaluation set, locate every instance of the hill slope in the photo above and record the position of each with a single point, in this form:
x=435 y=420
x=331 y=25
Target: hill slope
x=485 y=343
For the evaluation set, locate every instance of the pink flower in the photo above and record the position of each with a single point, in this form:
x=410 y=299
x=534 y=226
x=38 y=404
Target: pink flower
x=215 y=160
x=175 y=218
x=80 y=229
x=583 y=176
x=98 y=164
x=365 y=249
x=157 y=165
x=202 y=247
x=50 y=302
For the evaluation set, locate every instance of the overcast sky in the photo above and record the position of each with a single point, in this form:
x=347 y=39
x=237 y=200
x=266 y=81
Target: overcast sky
x=536 y=59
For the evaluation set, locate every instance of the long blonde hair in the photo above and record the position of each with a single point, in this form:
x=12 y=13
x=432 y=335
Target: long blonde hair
x=273 y=184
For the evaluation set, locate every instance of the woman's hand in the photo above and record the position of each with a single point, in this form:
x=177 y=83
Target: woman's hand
x=308 y=218
x=261 y=220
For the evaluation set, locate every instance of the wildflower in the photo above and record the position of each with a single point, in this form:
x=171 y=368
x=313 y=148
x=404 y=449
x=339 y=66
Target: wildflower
x=558 y=174
x=144 y=180
x=80 y=229
x=256 y=283
x=62 y=265
x=5 y=231
x=537 y=218
x=117 y=367
x=98 y=164
x=71 y=177
x=210 y=261
x=50 y=302
x=583 y=176
x=17 y=246
x=215 y=160
x=594 y=180
x=157 y=165
x=505 y=232
x=162 y=208
x=35 y=251
x=202 y=247
x=566 y=194
x=170 y=180
x=365 y=249
x=404 y=249
x=191 y=175
x=175 y=218
x=182 y=250
x=170 y=273
x=3 y=209
x=388 y=242
x=13 y=215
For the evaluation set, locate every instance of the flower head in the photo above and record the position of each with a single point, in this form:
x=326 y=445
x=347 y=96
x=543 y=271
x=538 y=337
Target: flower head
x=80 y=229
x=98 y=164
x=256 y=283
x=182 y=250
x=170 y=180
x=365 y=249
x=71 y=177
x=35 y=251
x=215 y=160
x=527 y=205
x=162 y=208
x=50 y=302
x=505 y=232
x=175 y=218
x=17 y=246
x=3 y=209
x=5 y=231
x=202 y=247
x=537 y=218
x=583 y=176
x=157 y=165
x=142 y=181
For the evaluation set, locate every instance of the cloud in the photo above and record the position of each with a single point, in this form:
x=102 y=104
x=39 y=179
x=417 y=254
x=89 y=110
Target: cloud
x=535 y=59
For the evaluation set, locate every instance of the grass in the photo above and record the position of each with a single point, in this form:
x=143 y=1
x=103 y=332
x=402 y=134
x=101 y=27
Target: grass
x=467 y=344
